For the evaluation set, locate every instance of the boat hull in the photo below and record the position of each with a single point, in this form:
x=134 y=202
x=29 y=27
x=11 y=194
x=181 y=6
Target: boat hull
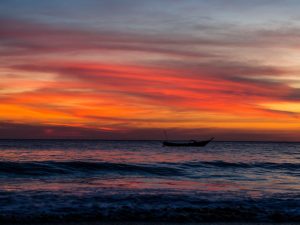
x=187 y=144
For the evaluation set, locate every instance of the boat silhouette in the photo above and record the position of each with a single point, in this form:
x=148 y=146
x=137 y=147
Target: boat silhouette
x=191 y=143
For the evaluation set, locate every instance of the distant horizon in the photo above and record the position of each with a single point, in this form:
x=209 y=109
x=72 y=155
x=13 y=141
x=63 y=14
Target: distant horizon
x=156 y=140
x=128 y=69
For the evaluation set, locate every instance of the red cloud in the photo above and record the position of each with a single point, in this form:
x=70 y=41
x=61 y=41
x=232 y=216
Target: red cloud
x=171 y=81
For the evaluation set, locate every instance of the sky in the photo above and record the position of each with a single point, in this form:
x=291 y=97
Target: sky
x=129 y=69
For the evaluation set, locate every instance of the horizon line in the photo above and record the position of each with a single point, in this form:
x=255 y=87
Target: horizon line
x=95 y=139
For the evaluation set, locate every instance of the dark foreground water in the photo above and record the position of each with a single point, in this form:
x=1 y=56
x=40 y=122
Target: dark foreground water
x=42 y=181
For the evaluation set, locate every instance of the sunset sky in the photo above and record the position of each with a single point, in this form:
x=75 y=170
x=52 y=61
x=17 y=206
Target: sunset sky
x=129 y=69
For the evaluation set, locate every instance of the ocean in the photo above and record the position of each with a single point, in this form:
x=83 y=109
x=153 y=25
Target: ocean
x=90 y=180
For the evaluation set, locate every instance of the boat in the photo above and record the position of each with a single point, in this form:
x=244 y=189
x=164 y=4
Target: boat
x=191 y=143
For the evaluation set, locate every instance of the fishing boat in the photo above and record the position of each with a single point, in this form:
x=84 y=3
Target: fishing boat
x=191 y=143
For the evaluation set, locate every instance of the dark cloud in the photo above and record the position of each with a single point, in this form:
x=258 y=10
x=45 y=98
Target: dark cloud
x=21 y=37
x=293 y=95
x=200 y=67
x=30 y=38
x=9 y=130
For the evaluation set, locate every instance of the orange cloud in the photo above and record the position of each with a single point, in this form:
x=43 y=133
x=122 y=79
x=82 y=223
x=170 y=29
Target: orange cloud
x=49 y=80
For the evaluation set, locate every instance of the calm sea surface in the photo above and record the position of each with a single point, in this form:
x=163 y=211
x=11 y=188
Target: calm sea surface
x=141 y=180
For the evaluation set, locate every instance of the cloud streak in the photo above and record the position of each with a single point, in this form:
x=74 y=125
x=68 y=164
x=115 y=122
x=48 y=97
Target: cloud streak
x=84 y=78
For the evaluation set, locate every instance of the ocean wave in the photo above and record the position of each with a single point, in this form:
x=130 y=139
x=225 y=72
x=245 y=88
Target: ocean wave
x=47 y=168
x=263 y=165
x=146 y=207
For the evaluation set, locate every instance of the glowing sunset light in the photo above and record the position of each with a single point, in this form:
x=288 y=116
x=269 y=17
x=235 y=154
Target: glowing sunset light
x=284 y=106
x=127 y=70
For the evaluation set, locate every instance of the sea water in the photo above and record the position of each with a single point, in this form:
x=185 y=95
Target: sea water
x=79 y=180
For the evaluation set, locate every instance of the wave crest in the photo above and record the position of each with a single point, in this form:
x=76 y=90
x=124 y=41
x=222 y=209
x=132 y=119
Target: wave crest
x=47 y=168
